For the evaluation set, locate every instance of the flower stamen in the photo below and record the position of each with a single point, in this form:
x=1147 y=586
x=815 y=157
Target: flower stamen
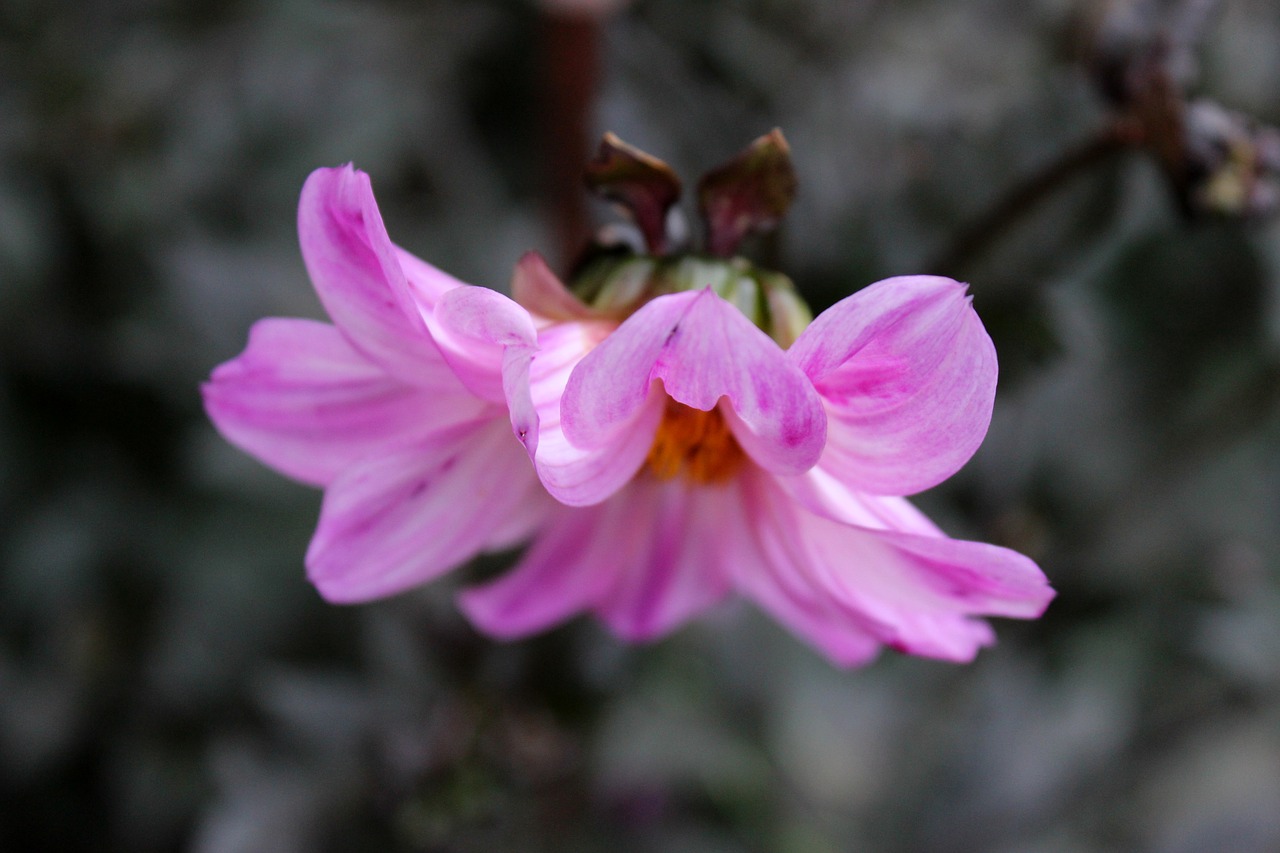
x=696 y=443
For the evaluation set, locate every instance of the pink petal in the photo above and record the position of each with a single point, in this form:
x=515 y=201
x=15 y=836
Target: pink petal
x=538 y=289
x=645 y=561
x=578 y=477
x=427 y=284
x=916 y=593
x=400 y=519
x=358 y=274
x=671 y=563
x=703 y=349
x=302 y=400
x=822 y=493
x=763 y=571
x=537 y=511
x=803 y=609
x=561 y=573
x=490 y=342
x=573 y=475
x=977 y=577
x=908 y=376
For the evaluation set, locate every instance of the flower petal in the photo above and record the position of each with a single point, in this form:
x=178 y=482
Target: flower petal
x=427 y=284
x=578 y=477
x=976 y=577
x=821 y=492
x=559 y=576
x=672 y=565
x=801 y=607
x=358 y=274
x=644 y=561
x=574 y=475
x=490 y=341
x=536 y=512
x=913 y=592
x=703 y=349
x=400 y=519
x=908 y=376
x=762 y=571
x=302 y=400
x=538 y=289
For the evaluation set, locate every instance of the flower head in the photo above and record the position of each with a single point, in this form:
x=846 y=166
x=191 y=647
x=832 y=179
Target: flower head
x=696 y=437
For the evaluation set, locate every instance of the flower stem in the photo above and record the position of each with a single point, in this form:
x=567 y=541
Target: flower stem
x=571 y=71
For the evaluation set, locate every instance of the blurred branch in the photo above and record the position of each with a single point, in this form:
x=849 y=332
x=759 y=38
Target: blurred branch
x=1218 y=163
x=978 y=238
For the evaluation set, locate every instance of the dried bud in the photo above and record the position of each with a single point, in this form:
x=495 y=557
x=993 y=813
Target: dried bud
x=644 y=185
x=1231 y=163
x=615 y=279
x=749 y=194
x=1128 y=40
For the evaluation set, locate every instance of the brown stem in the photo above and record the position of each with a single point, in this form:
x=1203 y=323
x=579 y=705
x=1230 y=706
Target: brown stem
x=975 y=240
x=571 y=71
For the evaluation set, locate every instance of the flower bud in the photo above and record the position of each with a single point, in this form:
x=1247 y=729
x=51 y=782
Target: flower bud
x=749 y=194
x=617 y=286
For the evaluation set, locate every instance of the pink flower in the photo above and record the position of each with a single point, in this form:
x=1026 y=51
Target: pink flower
x=698 y=456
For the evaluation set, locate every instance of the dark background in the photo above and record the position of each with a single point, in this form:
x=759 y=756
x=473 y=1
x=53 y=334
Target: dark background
x=170 y=681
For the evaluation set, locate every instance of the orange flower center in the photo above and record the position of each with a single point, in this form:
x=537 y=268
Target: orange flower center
x=696 y=443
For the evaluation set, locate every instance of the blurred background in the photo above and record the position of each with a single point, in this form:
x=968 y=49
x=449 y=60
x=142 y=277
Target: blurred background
x=170 y=681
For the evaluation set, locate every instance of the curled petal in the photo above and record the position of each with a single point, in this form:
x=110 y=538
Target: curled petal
x=302 y=400
x=908 y=376
x=703 y=349
x=400 y=519
x=490 y=341
x=358 y=274
x=579 y=477
x=574 y=475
